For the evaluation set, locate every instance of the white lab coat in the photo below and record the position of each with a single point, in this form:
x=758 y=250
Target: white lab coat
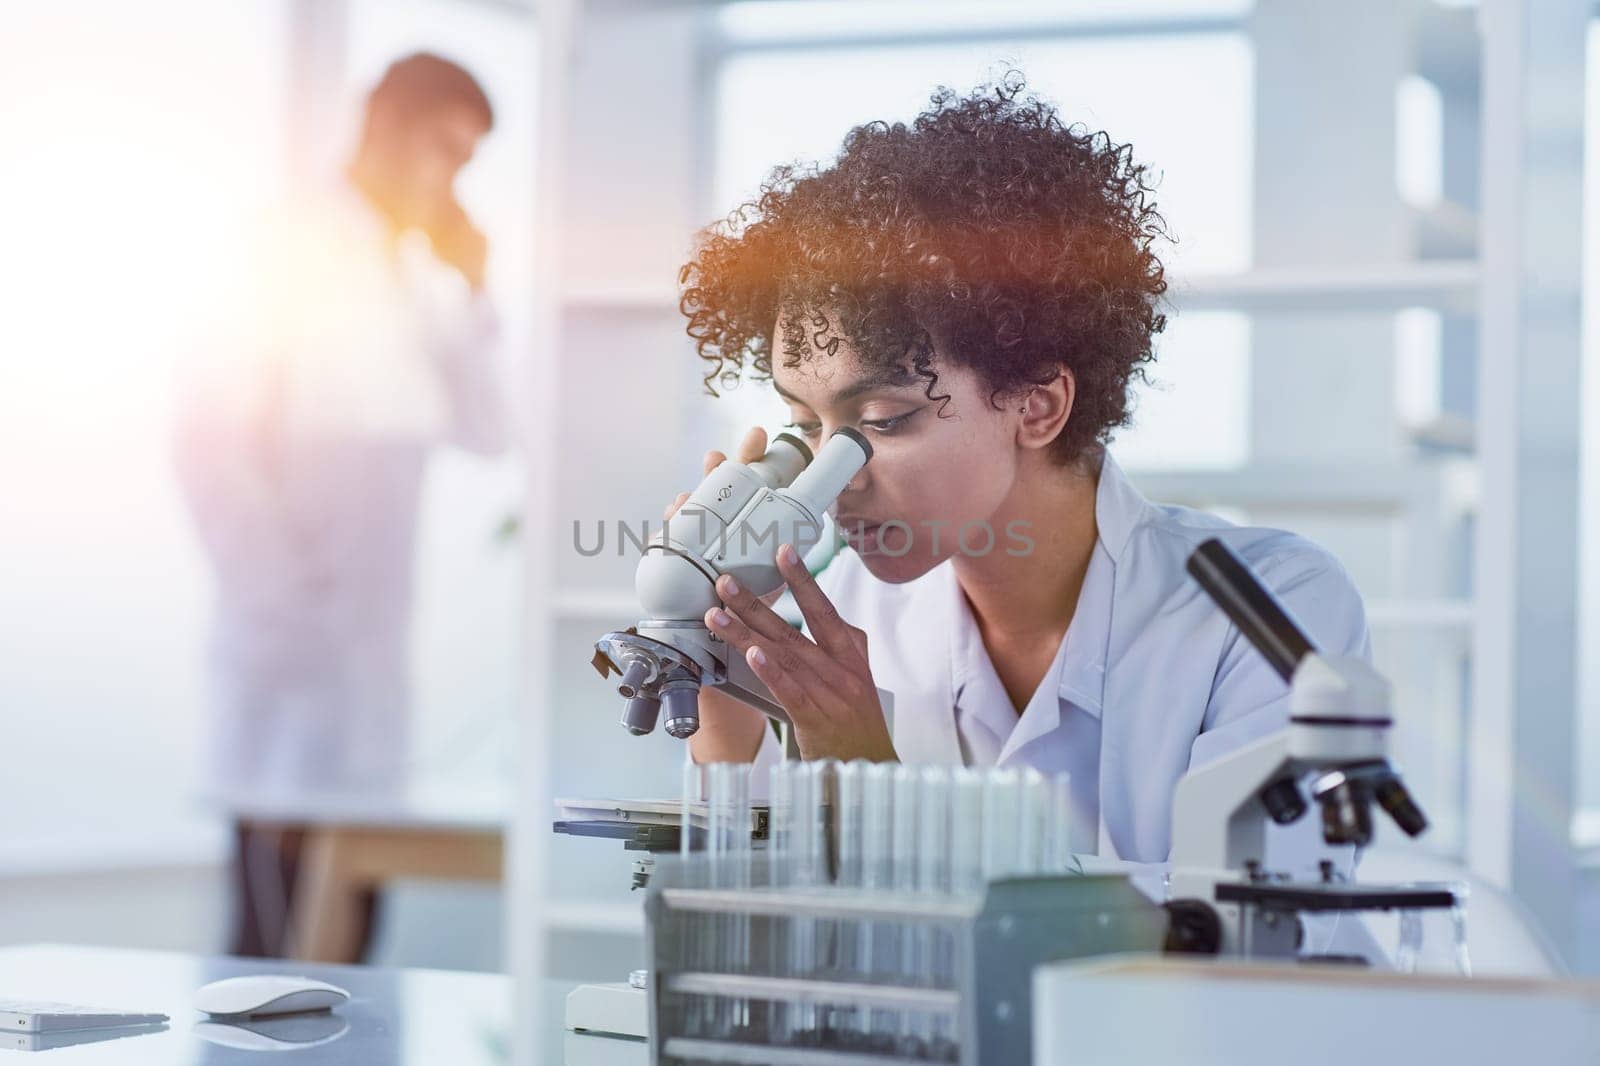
x=336 y=361
x=1151 y=677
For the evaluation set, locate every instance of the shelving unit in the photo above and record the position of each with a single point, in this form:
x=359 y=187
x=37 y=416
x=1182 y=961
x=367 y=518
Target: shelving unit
x=1447 y=285
x=1442 y=285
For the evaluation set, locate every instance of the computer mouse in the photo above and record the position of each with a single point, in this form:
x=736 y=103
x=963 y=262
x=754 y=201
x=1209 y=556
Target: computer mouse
x=268 y=994
x=293 y=1032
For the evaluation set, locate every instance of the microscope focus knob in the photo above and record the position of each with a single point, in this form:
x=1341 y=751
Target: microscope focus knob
x=1193 y=928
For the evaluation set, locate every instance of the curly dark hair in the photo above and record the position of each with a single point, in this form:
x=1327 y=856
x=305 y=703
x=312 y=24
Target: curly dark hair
x=986 y=231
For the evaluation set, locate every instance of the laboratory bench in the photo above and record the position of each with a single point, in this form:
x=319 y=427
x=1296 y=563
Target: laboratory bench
x=1092 y=1012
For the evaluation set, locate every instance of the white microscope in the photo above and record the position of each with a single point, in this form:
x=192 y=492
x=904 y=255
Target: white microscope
x=1335 y=748
x=732 y=524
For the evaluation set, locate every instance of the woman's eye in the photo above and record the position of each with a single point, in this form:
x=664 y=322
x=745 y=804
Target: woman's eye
x=887 y=425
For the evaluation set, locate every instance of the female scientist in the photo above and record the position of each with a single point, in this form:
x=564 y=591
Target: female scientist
x=975 y=291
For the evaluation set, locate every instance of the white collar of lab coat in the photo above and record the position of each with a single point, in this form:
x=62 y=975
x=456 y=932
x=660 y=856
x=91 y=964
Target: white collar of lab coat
x=1079 y=669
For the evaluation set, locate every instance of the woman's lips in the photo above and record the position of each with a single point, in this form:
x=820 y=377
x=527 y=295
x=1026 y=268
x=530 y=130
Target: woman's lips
x=860 y=533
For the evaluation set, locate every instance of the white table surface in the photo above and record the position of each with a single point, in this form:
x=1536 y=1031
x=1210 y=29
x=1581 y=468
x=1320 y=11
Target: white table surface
x=394 y=1017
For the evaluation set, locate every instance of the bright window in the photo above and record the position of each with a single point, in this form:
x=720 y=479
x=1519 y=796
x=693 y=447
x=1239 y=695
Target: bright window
x=768 y=20
x=135 y=141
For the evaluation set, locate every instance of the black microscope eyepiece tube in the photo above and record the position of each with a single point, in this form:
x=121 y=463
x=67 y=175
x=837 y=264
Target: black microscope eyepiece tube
x=1263 y=620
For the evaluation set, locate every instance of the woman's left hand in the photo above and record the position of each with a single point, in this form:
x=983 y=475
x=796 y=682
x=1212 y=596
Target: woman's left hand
x=824 y=684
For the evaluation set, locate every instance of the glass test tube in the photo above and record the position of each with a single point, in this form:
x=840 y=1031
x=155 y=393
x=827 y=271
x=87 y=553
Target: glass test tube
x=903 y=878
x=966 y=844
x=780 y=863
x=880 y=950
x=698 y=935
x=934 y=861
x=1410 y=943
x=1034 y=840
x=966 y=830
x=728 y=842
x=802 y=1017
x=690 y=797
x=1002 y=823
x=1060 y=857
x=1458 y=925
x=822 y=861
x=850 y=822
x=822 y=839
x=852 y=1024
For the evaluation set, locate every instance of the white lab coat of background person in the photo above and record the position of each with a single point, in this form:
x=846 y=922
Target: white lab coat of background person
x=1150 y=680
x=337 y=361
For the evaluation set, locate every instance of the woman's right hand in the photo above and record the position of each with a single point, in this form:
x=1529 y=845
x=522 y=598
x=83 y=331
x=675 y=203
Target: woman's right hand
x=730 y=731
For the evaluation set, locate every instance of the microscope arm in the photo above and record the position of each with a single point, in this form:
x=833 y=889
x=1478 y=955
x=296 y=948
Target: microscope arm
x=743 y=685
x=1218 y=821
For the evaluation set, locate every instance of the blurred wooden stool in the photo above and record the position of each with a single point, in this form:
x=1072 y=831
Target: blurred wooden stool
x=355 y=844
x=342 y=863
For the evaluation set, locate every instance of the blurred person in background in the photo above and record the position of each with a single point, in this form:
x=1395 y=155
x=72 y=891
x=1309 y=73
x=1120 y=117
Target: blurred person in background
x=356 y=338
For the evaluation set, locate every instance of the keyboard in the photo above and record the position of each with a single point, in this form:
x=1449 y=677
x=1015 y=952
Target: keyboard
x=29 y=1016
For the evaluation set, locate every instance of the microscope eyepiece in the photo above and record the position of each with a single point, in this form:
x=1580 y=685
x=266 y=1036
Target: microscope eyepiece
x=1260 y=616
x=855 y=435
x=836 y=462
x=799 y=445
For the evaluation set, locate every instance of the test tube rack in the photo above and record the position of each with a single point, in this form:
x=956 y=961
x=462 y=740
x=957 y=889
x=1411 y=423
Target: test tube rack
x=708 y=1005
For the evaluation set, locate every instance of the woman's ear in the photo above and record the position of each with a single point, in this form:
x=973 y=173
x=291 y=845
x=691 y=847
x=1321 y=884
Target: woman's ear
x=1045 y=410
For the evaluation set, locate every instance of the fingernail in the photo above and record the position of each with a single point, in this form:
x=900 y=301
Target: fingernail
x=719 y=618
x=730 y=586
x=788 y=554
x=757 y=657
